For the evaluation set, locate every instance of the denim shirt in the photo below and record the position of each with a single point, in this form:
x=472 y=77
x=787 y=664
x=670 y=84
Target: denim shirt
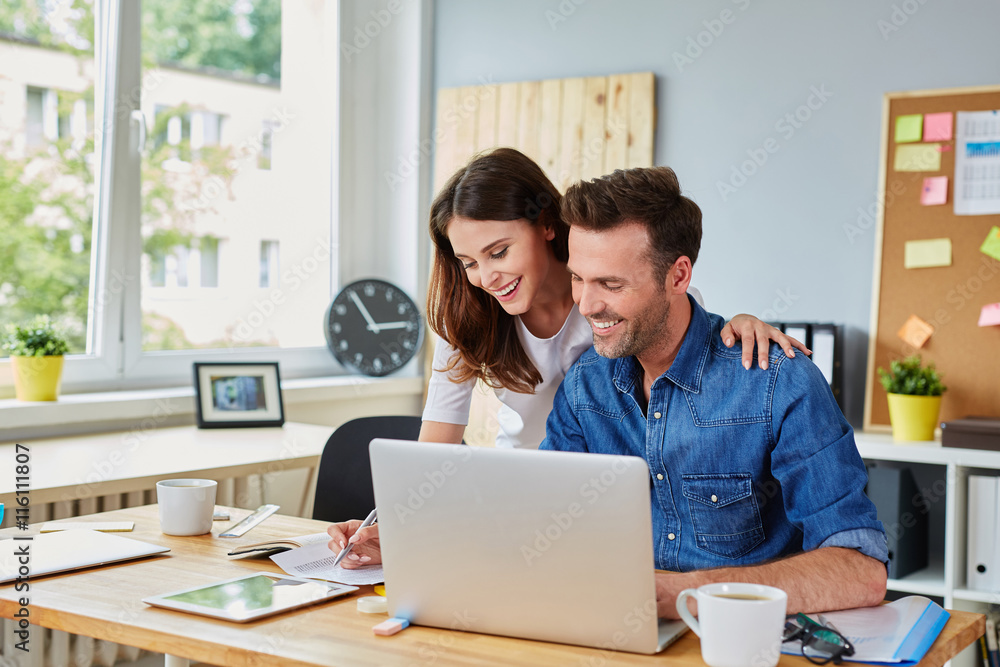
x=745 y=465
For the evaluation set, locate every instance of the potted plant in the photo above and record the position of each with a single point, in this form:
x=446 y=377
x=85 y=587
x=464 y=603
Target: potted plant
x=36 y=351
x=914 y=398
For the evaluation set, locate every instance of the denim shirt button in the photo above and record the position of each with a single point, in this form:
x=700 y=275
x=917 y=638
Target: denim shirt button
x=657 y=415
x=659 y=476
x=715 y=498
x=671 y=536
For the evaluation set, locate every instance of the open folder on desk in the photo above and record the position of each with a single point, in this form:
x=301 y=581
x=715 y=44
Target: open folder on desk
x=898 y=633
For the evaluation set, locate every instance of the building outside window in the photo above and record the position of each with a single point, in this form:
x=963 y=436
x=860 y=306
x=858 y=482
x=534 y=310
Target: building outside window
x=205 y=195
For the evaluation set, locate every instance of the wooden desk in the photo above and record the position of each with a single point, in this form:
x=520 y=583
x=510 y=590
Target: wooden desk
x=105 y=603
x=80 y=467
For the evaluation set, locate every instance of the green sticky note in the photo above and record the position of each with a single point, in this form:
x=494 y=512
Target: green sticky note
x=927 y=253
x=909 y=128
x=991 y=246
x=918 y=157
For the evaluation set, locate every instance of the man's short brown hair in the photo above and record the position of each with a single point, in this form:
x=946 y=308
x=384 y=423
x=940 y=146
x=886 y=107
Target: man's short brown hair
x=649 y=196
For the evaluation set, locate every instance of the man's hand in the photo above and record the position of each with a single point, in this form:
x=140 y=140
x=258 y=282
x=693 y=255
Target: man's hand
x=366 y=550
x=751 y=330
x=668 y=586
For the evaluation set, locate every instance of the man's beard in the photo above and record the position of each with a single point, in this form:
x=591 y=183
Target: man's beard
x=643 y=332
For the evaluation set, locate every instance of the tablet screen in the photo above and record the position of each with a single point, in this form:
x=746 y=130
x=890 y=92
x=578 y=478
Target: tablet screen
x=252 y=593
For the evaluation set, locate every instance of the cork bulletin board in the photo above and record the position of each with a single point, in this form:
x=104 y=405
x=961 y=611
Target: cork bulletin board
x=946 y=288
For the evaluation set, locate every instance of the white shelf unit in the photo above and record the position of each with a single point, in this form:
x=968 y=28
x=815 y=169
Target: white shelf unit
x=945 y=575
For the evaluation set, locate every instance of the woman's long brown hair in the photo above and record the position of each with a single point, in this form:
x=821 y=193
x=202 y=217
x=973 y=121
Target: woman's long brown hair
x=503 y=184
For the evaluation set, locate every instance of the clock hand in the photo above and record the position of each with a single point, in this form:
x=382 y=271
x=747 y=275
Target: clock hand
x=364 y=312
x=394 y=325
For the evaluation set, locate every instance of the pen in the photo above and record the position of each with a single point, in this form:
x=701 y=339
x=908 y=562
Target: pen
x=346 y=550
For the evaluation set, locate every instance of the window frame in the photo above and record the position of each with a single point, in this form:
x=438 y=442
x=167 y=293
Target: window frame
x=115 y=359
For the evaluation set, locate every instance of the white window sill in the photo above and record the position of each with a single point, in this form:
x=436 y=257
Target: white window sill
x=82 y=413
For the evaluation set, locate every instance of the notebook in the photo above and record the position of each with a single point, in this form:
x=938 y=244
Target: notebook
x=50 y=553
x=553 y=546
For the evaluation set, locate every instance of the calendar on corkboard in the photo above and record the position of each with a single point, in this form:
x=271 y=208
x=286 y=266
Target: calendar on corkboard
x=936 y=284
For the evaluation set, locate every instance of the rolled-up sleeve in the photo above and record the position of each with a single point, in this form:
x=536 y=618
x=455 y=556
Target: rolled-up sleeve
x=868 y=541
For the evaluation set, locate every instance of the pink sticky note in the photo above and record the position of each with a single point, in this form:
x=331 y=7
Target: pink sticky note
x=937 y=126
x=990 y=315
x=935 y=191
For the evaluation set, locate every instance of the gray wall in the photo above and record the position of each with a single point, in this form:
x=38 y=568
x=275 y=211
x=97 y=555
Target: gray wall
x=781 y=245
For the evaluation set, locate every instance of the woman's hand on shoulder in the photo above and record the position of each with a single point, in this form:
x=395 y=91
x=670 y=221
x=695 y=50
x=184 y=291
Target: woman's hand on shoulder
x=366 y=550
x=751 y=331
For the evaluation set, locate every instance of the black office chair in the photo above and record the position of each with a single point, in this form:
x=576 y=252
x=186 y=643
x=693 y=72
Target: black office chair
x=344 y=484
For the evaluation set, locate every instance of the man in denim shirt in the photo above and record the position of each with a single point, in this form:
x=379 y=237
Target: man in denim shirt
x=755 y=475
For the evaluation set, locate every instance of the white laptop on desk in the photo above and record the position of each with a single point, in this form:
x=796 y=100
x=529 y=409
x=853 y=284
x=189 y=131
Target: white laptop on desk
x=66 y=550
x=554 y=546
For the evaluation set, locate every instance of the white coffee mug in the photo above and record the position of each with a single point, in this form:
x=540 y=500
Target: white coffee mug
x=740 y=625
x=186 y=505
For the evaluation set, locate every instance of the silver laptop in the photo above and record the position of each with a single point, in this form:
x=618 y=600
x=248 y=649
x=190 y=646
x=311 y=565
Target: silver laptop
x=554 y=546
x=66 y=550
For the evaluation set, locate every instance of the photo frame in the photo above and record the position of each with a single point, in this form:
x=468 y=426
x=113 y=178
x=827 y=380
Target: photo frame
x=238 y=395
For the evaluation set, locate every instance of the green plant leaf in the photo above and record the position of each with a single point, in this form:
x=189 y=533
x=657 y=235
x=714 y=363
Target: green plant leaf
x=908 y=376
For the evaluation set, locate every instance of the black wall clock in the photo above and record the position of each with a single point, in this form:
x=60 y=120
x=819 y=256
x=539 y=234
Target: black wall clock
x=373 y=327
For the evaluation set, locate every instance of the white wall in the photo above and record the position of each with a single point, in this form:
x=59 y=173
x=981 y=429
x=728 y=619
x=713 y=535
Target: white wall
x=779 y=245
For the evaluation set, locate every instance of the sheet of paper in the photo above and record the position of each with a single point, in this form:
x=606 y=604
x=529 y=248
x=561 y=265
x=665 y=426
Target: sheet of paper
x=977 y=163
x=991 y=246
x=935 y=191
x=915 y=331
x=927 y=253
x=937 y=126
x=909 y=128
x=989 y=316
x=315 y=561
x=918 y=157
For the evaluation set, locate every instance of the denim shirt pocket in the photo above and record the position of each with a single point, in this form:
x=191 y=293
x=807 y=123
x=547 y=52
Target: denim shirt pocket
x=724 y=513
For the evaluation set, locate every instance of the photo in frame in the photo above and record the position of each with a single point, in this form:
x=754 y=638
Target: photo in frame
x=238 y=395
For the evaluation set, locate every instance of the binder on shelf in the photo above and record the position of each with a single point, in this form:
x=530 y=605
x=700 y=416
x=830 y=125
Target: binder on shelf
x=983 y=538
x=798 y=330
x=991 y=641
x=828 y=353
x=904 y=516
x=826 y=340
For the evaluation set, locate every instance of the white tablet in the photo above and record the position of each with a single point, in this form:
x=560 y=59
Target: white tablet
x=250 y=597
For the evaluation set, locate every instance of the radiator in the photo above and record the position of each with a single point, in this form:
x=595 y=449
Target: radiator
x=54 y=648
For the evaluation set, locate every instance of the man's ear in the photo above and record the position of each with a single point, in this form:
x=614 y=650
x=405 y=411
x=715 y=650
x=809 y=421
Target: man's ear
x=679 y=276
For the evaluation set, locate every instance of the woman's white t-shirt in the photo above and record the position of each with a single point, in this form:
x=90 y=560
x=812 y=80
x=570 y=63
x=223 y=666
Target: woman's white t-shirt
x=521 y=417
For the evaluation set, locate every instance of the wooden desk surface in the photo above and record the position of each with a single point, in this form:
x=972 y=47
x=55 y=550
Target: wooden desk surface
x=73 y=467
x=105 y=603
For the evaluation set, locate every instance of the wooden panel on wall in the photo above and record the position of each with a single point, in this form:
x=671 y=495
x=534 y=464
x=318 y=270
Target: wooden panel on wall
x=950 y=297
x=574 y=128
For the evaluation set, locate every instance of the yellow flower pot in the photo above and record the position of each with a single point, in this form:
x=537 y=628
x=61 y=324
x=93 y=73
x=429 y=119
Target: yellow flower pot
x=913 y=417
x=37 y=378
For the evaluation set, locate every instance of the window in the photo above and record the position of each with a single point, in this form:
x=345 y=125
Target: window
x=266 y=137
x=268 y=263
x=171 y=282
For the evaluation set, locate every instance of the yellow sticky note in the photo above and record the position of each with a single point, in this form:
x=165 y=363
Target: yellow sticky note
x=918 y=157
x=909 y=128
x=915 y=331
x=991 y=246
x=927 y=253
